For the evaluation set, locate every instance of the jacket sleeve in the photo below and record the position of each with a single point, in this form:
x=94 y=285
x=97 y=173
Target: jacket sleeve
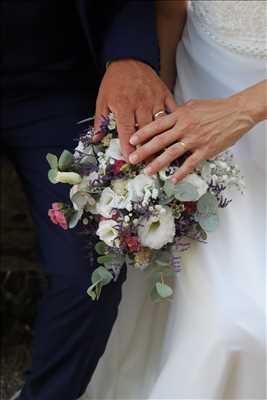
x=132 y=34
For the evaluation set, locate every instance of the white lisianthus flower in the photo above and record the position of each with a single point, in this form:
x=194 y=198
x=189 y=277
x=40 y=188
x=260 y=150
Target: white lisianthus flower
x=114 y=150
x=141 y=188
x=107 y=202
x=107 y=232
x=197 y=182
x=158 y=230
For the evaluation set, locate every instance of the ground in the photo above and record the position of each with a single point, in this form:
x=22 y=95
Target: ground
x=20 y=279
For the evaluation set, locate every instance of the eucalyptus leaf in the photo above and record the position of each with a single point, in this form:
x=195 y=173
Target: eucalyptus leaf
x=155 y=297
x=162 y=263
x=169 y=188
x=207 y=204
x=168 y=273
x=100 y=248
x=65 y=160
x=98 y=290
x=105 y=259
x=91 y=290
x=75 y=218
x=52 y=160
x=52 y=175
x=101 y=273
x=208 y=222
x=164 y=290
x=185 y=191
x=88 y=160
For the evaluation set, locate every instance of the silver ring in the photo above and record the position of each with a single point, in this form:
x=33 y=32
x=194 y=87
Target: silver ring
x=159 y=114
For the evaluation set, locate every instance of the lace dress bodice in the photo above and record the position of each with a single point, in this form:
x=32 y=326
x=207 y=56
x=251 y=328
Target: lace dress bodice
x=238 y=25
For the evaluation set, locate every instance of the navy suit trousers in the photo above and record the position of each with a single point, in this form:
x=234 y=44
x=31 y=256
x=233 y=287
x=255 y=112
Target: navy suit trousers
x=71 y=330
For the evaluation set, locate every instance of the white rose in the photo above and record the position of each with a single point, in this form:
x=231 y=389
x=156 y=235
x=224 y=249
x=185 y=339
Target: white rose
x=107 y=232
x=158 y=230
x=114 y=150
x=141 y=187
x=197 y=182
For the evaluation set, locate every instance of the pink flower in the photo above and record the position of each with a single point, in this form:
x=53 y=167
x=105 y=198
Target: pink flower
x=116 y=168
x=133 y=243
x=56 y=206
x=57 y=216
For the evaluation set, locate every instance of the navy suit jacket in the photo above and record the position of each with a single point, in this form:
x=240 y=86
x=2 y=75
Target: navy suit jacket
x=120 y=29
x=73 y=50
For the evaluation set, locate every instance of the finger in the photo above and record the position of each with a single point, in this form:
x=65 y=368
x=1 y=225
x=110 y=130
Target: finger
x=164 y=160
x=155 y=145
x=188 y=166
x=143 y=116
x=170 y=104
x=126 y=128
x=154 y=128
x=101 y=113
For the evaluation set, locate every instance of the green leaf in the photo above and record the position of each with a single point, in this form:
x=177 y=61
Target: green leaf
x=65 y=160
x=185 y=191
x=91 y=290
x=52 y=175
x=100 y=248
x=155 y=297
x=98 y=290
x=203 y=234
x=52 y=160
x=157 y=275
x=103 y=275
x=125 y=168
x=164 y=290
x=75 y=218
x=169 y=188
x=208 y=222
x=207 y=204
x=105 y=259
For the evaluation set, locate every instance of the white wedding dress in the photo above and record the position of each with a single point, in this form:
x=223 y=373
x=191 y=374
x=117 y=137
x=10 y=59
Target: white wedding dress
x=209 y=343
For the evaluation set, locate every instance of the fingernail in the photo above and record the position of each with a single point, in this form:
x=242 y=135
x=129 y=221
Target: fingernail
x=133 y=158
x=134 y=140
x=174 y=180
x=148 y=171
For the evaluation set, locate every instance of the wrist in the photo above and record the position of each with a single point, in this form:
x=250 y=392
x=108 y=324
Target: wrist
x=129 y=61
x=251 y=105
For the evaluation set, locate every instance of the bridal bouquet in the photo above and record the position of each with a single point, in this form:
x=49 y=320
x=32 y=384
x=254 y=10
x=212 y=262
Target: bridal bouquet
x=140 y=220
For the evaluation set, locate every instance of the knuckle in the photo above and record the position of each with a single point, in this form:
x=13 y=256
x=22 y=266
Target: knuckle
x=158 y=141
x=156 y=165
x=125 y=129
x=171 y=151
x=190 y=164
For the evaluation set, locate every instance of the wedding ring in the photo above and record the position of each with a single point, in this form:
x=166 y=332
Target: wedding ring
x=158 y=114
x=183 y=144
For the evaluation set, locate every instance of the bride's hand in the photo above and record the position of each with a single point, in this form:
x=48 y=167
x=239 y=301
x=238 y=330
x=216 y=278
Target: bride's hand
x=203 y=128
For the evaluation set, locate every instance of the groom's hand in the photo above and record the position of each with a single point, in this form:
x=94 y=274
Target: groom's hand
x=134 y=93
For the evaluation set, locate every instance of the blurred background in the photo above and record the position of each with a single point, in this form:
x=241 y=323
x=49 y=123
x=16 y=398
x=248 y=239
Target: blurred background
x=20 y=283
